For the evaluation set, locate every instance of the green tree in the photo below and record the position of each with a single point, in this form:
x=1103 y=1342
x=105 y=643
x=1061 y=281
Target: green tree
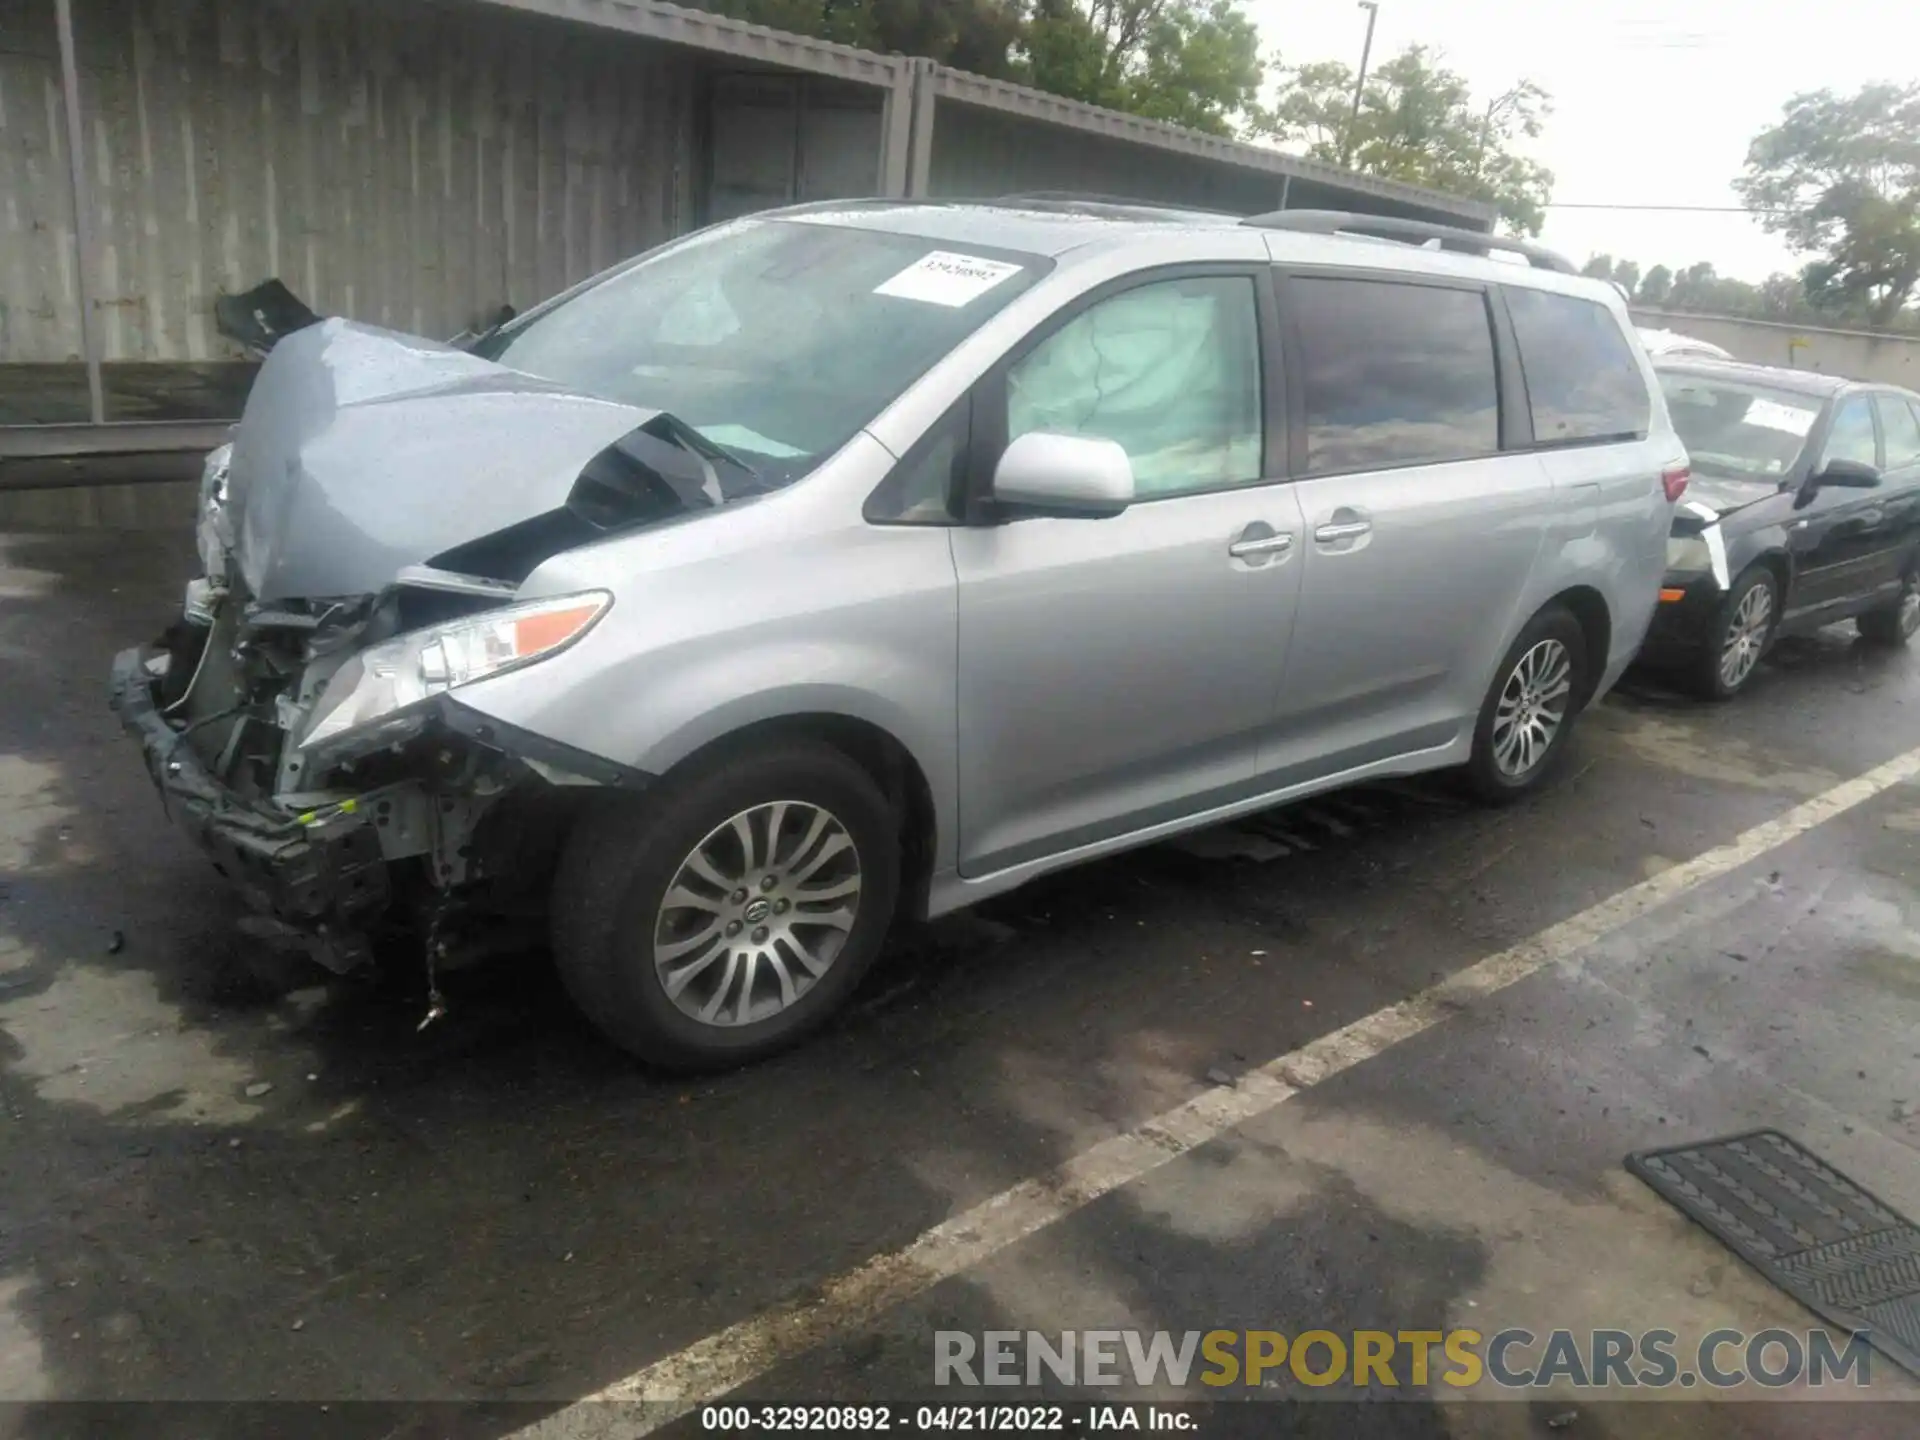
x=1694 y=287
x=1627 y=273
x=1420 y=123
x=1599 y=267
x=1840 y=178
x=977 y=35
x=1191 y=62
x=1657 y=287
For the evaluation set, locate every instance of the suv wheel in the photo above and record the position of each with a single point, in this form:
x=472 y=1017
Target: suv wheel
x=1895 y=623
x=729 y=914
x=1738 y=636
x=1530 y=708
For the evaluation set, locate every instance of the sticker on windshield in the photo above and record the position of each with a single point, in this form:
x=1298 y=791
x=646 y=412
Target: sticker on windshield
x=1771 y=415
x=944 y=278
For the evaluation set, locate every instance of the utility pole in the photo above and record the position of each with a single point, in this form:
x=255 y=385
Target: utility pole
x=1360 y=85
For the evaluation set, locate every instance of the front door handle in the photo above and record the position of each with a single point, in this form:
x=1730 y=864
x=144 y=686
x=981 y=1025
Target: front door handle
x=1342 y=530
x=1264 y=545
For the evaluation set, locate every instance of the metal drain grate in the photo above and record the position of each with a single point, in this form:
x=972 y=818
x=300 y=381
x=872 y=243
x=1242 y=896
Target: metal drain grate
x=1828 y=1242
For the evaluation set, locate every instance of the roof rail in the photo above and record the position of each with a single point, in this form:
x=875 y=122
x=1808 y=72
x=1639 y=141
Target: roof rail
x=1394 y=227
x=1069 y=199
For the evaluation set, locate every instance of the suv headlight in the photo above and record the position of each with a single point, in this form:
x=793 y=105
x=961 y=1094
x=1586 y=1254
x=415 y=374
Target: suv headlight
x=210 y=524
x=379 y=691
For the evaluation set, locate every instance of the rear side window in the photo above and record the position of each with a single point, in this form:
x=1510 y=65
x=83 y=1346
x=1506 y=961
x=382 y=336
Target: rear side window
x=1393 y=373
x=1899 y=431
x=1583 y=383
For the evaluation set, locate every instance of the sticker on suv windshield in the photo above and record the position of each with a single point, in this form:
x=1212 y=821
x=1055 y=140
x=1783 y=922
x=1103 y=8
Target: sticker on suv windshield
x=1771 y=415
x=944 y=278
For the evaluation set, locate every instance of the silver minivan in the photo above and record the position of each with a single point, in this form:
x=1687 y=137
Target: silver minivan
x=871 y=558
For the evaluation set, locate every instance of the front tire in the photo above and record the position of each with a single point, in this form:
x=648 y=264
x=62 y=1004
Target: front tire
x=1893 y=625
x=1742 y=630
x=1530 y=708
x=728 y=914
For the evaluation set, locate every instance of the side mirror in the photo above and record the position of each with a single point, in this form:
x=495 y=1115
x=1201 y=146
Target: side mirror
x=1847 y=475
x=1064 y=475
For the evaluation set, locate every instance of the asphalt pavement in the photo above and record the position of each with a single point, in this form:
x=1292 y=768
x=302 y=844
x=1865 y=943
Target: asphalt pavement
x=225 y=1179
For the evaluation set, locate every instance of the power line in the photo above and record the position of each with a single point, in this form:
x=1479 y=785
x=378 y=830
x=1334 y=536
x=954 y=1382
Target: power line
x=1687 y=209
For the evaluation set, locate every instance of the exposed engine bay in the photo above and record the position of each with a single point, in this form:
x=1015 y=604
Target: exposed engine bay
x=302 y=717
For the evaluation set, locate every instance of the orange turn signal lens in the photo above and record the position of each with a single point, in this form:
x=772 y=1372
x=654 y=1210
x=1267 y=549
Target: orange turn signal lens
x=1667 y=597
x=545 y=629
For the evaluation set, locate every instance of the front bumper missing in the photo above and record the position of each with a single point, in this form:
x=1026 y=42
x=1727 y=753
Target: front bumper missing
x=317 y=880
x=325 y=879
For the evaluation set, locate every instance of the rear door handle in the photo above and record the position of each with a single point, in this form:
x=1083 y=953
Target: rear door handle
x=1342 y=530
x=1264 y=545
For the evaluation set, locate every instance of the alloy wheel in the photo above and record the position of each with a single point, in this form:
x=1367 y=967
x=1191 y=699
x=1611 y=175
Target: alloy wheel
x=1532 y=708
x=1746 y=635
x=757 y=913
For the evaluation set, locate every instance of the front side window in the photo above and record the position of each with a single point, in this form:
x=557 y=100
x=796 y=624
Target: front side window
x=1738 y=431
x=1394 y=374
x=1852 y=435
x=1900 y=430
x=1583 y=383
x=776 y=340
x=1170 y=371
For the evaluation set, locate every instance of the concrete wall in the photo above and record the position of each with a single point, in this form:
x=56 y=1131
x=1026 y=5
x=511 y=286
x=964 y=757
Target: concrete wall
x=1858 y=354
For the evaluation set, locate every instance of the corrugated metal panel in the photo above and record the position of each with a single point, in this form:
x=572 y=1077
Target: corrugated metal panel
x=406 y=164
x=1143 y=140
x=981 y=153
x=39 y=305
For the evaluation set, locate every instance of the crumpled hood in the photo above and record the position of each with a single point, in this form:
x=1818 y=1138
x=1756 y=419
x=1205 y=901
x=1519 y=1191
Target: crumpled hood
x=363 y=451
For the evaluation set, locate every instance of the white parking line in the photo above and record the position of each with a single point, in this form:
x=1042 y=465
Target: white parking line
x=709 y=1368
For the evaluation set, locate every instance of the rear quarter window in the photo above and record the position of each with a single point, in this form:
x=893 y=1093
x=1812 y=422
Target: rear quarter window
x=1583 y=383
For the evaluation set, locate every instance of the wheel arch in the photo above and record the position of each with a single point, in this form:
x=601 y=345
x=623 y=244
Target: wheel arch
x=1591 y=613
x=888 y=761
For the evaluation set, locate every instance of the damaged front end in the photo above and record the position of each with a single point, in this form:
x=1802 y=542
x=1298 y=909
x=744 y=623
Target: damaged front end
x=369 y=544
x=314 y=750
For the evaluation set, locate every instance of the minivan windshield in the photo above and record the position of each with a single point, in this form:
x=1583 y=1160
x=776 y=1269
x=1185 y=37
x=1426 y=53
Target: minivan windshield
x=1737 y=430
x=776 y=340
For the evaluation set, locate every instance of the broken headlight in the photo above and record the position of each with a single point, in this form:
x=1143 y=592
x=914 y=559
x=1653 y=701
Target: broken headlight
x=376 y=696
x=211 y=530
x=1688 y=552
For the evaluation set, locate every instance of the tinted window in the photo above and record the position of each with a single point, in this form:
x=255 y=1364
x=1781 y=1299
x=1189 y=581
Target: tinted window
x=1900 y=430
x=1394 y=374
x=1852 y=435
x=1171 y=371
x=1737 y=430
x=1582 y=380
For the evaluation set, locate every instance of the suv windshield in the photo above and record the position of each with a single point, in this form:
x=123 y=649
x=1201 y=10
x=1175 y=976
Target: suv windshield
x=1737 y=430
x=776 y=340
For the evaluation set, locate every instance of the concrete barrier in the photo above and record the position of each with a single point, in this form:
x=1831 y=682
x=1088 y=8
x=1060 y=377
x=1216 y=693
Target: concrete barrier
x=1857 y=354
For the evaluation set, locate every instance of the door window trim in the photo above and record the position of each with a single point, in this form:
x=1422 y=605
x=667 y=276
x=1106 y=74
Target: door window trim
x=1505 y=366
x=988 y=440
x=1839 y=403
x=1893 y=400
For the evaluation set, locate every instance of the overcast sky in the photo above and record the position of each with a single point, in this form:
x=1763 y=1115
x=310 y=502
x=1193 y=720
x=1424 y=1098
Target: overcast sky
x=1654 y=104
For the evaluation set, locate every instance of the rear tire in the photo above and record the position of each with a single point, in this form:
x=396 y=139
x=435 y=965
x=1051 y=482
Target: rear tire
x=1893 y=625
x=1530 y=709
x=1740 y=635
x=729 y=913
